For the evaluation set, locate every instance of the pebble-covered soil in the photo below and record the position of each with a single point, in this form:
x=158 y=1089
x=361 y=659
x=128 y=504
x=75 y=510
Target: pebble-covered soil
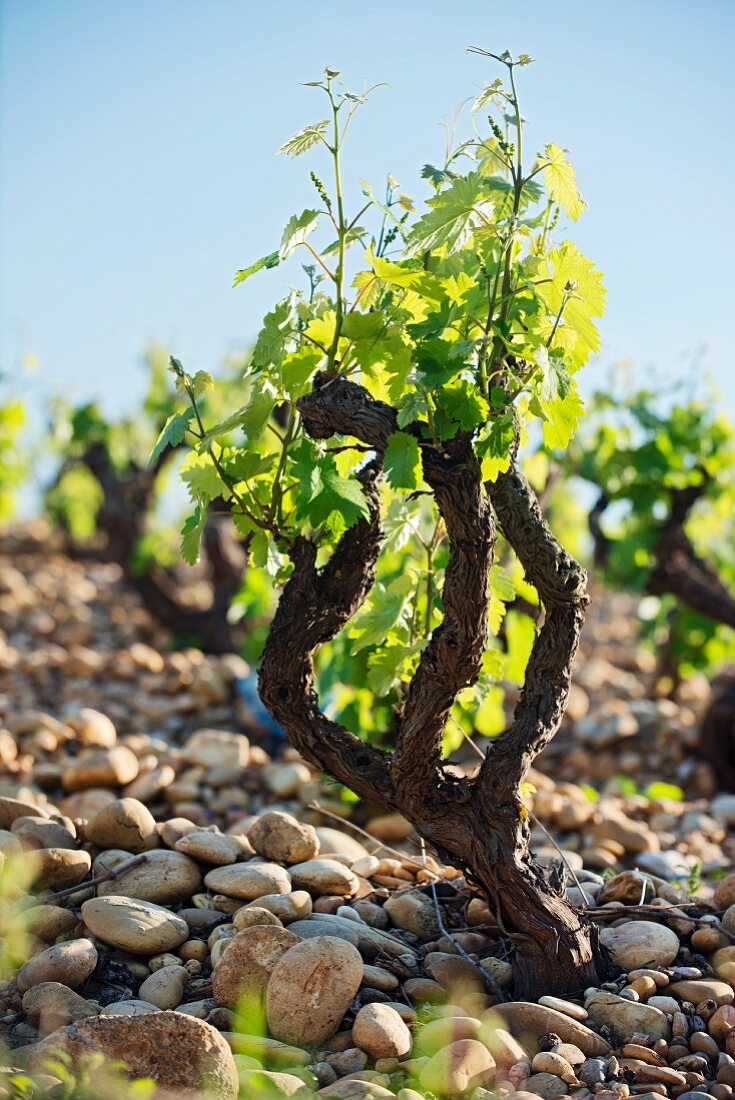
x=182 y=893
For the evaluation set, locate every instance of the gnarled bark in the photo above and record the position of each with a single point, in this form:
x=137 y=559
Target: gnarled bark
x=478 y=824
x=678 y=570
x=314 y=606
x=126 y=501
x=452 y=659
x=717 y=735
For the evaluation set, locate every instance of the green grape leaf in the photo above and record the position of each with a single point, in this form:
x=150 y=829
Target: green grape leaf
x=385 y=613
x=455 y=213
x=398 y=524
x=494 y=445
x=270 y=347
x=202 y=382
x=199 y=474
x=491 y=93
x=437 y=176
x=255 y=416
x=555 y=376
x=388 y=665
x=224 y=427
x=296 y=231
x=304 y=139
x=410 y=278
x=191 y=534
x=363 y=326
x=244 y=464
x=501 y=593
x=323 y=491
x=271 y=260
x=553 y=274
x=561 y=181
x=297 y=368
x=412 y=406
x=493 y=663
x=264 y=554
x=520 y=634
x=173 y=433
x=562 y=417
x=464 y=404
x=338 y=494
x=402 y=461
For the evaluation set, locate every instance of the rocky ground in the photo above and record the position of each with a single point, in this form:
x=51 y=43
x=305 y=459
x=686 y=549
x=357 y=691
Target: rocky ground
x=183 y=894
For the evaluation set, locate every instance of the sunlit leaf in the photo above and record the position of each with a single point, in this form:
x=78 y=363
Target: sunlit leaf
x=304 y=140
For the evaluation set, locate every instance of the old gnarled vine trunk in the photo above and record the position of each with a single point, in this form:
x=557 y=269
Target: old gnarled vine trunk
x=126 y=502
x=477 y=823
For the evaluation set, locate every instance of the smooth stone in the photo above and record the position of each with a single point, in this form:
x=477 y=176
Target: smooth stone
x=280 y=837
x=40 y=832
x=133 y=1007
x=630 y=887
x=247 y=917
x=529 y=1022
x=314 y=927
x=69 y=964
x=50 y=1005
x=324 y=876
x=413 y=912
x=567 y=1007
x=113 y=767
x=264 y=1083
x=165 y=878
x=461 y=1066
x=57 y=868
x=93 y=728
x=126 y=823
x=547 y=1061
x=246 y=964
x=184 y=1056
x=12 y=808
x=209 y=847
x=640 y=943
x=311 y=988
x=626 y=1017
x=267 y=1050
x=287 y=907
x=377 y=978
x=137 y=926
x=335 y=842
x=165 y=987
x=172 y=830
x=47 y=922
x=380 y=1032
x=545 y=1085
x=248 y=880
x=355 y=1088
x=437 y=1034
x=286 y=779
x=703 y=989
x=212 y=748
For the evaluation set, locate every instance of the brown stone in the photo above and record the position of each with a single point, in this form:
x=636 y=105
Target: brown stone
x=183 y=1055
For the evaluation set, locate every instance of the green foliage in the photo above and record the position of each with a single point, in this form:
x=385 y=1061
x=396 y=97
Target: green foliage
x=468 y=317
x=640 y=448
x=13 y=459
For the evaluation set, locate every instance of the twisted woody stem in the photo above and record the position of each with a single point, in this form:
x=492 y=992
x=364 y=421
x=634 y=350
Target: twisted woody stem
x=478 y=824
x=313 y=608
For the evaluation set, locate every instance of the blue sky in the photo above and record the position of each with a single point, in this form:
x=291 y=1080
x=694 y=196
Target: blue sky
x=139 y=173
